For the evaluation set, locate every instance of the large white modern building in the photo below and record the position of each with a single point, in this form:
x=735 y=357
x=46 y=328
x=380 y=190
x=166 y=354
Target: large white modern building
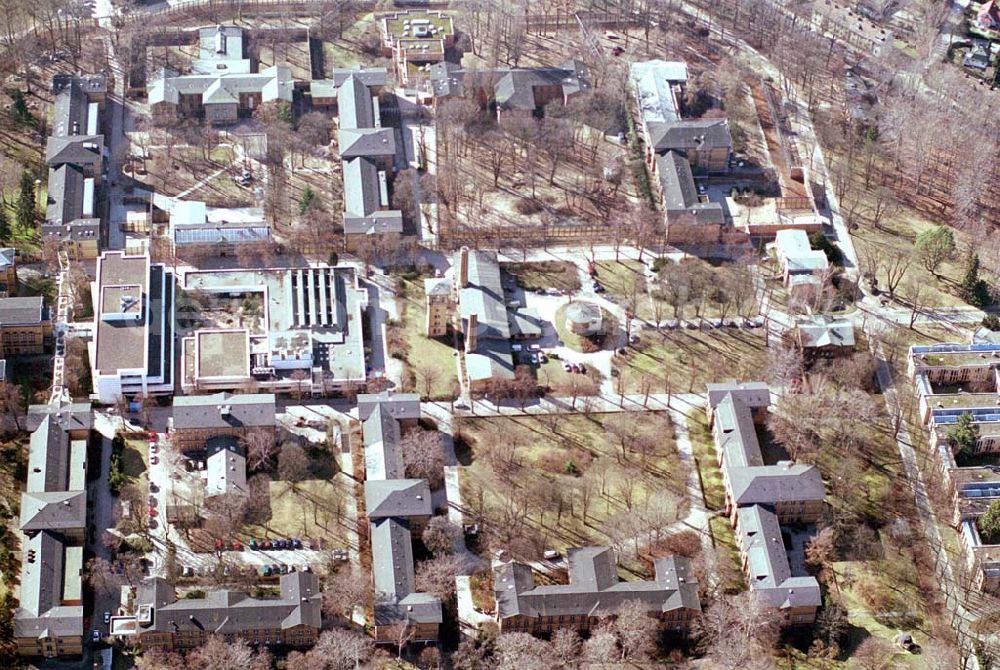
x=307 y=336
x=133 y=349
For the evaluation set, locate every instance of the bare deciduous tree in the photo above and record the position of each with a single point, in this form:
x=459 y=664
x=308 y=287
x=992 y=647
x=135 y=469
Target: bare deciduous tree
x=260 y=447
x=423 y=456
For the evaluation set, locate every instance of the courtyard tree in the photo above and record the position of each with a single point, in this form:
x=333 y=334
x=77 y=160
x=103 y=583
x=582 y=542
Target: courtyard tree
x=423 y=456
x=343 y=592
x=636 y=631
x=441 y=535
x=964 y=434
x=516 y=651
x=437 y=576
x=293 y=463
x=989 y=523
x=260 y=447
x=218 y=654
x=934 y=246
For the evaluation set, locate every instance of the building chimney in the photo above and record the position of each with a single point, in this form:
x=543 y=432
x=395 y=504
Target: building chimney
x=471 y=333
x=463 y=268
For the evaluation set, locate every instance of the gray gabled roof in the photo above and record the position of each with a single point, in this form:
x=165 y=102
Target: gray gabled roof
x=76 y=150
x=397 y=405
x=767 y=567
x=383 y=455
x=736 y=436
x=53 y=510
x=248 y=410
x=750 y=394
x=354 y=142
x=767 y=484
x=593 y=588
x=397 y=497
x=382 y=222
x=483 y=296
x=69 y=416
x=48 y=458
x=64 y=194
x=52 y=573
x=354 y=104
x=228 y=611
x=361 y=187
x=700 y=134
x=369 y=76
x=680 y=195
x=21 y=311
x=392 y=559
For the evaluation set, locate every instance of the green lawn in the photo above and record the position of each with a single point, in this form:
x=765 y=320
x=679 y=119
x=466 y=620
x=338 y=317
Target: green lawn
x=431 y=362
x=705 y=456
x=626 y=283
x=552 y=375
x=529 y=478
x=561 y=275
x=685 y=360
x=315 y=509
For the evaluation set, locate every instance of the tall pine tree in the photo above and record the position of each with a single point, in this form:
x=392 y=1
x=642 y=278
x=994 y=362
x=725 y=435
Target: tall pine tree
x=26 y=213
x=974 y=290
x=5 y=232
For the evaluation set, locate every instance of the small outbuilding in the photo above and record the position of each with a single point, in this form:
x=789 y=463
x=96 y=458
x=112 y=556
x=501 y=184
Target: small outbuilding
x=584 y=319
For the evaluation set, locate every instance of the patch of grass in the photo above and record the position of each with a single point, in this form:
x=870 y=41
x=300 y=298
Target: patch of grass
x=561 y=275
x=544 y=467
x=552 y=375
x=704 y=454
x=432 y=362
x=315 y=509
x=685 y=360
x=725 y=541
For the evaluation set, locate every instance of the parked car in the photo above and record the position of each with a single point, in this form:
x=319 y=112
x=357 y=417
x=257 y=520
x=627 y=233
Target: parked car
x=567 y=366
x=267 y=571
x=152 y=501
x=107 y=617
x=550 y=555
x=237 y=545
x=97 y=636
x=253 y=544
x=154 y=459
x=581 y=369
x=152 y=511
x=296 y=543
x=154 y=447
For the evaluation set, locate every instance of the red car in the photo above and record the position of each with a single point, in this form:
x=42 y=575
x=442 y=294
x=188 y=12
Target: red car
x=152 y=511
